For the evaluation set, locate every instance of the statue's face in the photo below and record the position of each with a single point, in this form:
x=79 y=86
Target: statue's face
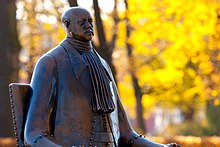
x=81 y=25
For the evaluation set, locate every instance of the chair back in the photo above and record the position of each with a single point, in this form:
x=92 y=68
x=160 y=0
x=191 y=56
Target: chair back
x=19 y=98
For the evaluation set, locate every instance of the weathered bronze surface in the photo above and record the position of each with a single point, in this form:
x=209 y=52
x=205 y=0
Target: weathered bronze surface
x=74 y=99
x=20 y=95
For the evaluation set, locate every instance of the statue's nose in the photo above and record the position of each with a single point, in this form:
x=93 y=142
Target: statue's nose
x=88 y=25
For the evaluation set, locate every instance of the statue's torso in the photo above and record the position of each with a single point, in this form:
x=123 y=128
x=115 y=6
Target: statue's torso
x=75 y=122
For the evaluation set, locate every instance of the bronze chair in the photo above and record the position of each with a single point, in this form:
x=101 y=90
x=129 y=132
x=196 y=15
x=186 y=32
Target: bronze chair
x=19 y=99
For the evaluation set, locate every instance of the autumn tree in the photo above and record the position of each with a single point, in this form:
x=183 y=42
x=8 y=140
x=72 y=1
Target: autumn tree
x=170 y=54
x=9 y=50
x=213 y=81
x=39 y=29
x=132 y=71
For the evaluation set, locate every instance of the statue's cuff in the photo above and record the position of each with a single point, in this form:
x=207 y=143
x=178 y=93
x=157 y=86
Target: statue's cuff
x=132 y=140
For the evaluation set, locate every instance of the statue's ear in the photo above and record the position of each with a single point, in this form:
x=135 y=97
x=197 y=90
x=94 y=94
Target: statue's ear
x=66 y=23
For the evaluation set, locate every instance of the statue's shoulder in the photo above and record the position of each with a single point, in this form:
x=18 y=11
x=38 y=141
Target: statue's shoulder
x=56 y=51
x=49 y=58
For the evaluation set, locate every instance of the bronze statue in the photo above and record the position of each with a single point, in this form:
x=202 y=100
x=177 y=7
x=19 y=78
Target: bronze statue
x=74 y=99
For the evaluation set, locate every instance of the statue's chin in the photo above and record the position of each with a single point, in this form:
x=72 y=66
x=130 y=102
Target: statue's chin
x=88 y=35
x=87 y=38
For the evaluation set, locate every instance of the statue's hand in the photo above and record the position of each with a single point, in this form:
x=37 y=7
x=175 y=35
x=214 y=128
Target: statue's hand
x=173 y=145
x=133 y=139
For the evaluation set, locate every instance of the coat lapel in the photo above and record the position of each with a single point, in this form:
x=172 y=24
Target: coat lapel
x=77 y=62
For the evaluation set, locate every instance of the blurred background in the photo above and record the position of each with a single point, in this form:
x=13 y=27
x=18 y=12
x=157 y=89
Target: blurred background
x=164 y=54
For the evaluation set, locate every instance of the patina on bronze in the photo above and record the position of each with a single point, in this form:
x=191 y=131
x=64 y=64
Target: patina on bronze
x=74 y=99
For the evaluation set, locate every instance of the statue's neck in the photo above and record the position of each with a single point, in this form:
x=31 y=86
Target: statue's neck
x=80 y=45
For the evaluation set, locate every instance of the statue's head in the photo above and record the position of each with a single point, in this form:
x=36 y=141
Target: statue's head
x=78 y=24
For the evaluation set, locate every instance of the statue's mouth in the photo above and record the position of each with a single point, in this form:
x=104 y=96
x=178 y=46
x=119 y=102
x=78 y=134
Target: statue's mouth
x=89 y=32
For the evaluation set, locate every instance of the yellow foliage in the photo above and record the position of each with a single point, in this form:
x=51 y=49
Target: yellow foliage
x=173 y=47
x=214 y=93
x=190 y=72
x=148 y=101
x=39 y=30
x=127 y=95
x=120 y=43
x=205 y=67
x=215 y=78
x=47 y=26
x=216 y=102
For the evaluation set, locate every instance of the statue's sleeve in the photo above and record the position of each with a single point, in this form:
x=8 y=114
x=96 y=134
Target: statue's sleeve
x=38 y=128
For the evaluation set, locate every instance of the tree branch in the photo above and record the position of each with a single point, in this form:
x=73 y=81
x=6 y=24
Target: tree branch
x=115 y=34
x=99 y=25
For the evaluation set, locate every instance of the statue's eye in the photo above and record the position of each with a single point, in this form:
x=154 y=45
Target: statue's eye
x=81 y=22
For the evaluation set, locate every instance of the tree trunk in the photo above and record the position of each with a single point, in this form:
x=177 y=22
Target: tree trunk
x=137 y=88
x=104 y=49
x=73 y=3
x=189 y=114
x=9 y=49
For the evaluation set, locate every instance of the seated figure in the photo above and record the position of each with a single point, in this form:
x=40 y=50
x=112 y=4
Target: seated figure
x=75 y=101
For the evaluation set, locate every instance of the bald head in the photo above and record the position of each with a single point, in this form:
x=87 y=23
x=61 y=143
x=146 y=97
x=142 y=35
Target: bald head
x=72 y=13
x=78 y=23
